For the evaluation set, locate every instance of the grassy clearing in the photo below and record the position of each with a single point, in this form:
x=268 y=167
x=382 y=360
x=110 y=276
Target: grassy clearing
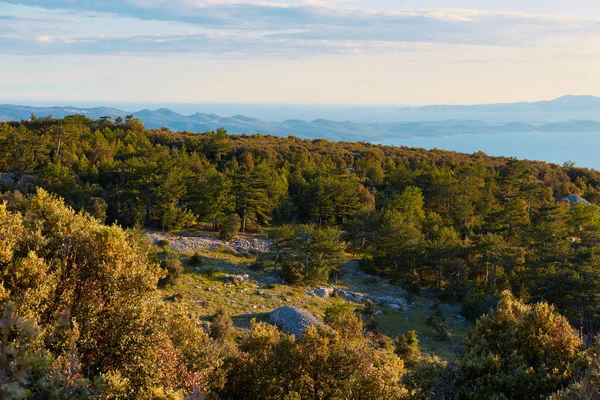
x=206 y=288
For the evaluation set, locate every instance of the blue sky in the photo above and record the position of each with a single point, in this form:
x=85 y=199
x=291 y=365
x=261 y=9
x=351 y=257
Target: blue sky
x=297 y=51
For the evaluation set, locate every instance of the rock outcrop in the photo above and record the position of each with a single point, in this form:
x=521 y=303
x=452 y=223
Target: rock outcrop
x=397 y=303
x=292 y=320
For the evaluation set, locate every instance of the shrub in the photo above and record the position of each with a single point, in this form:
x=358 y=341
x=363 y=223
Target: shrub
x=407 y=347
x=230 y=227
x=258 y=265
x=373 y=325
x=432 y=378
x=520 y=351
x=369 y=308
x=163 y=243
x=292 y=272
x=221 y=328
x=438 y=322
x=97 y=207
x=231 y=251
x=174 y=270
x=323 y=364
x=212 y=271
x=475 y=307
x=195 y=260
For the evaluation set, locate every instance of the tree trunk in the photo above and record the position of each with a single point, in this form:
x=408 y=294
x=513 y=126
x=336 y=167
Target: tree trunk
x=439 y=275
x=148 y=205
x=487 y=272
x=243 y=229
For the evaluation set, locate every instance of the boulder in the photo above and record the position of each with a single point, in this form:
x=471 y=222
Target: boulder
x=574 y=199
x=292 y=320
x=324 y=292
x=351 y=296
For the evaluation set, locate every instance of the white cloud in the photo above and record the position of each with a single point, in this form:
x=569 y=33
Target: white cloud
x=44 y=38
x=268 y=28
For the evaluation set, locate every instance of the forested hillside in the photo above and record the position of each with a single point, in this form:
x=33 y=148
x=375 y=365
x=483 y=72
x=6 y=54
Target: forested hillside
x=465 y=229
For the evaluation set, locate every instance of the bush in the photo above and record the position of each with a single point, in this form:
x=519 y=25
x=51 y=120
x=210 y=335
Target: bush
x=338 y=311
x=432 y=378
x=373 y=325
x=212 y=271
x=163 y=243
x=174 y=270
x=230 y=227
x=438 y=322
x=258 y=265
x=324 y=363
x=475 y=307
x=231 y=252
x=407 y=347
x=520 y=351
x=221 y=328
x=195 y=260
x=291 y=272
x=369 y=308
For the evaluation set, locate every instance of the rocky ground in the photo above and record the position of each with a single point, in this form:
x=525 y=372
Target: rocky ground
x=223 y=276
x=293 y=320
x=184 y=242
x=396 y=303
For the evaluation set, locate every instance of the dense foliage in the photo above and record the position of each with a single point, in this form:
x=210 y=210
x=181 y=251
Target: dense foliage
x=81 y=316
x=465 y=225
x=79 y=309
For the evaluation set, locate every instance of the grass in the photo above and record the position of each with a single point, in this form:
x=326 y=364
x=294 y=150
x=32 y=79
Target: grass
x=255 y=298
x=395 y=323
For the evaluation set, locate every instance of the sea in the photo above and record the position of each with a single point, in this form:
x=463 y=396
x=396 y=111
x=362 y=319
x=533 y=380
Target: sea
x=580 y=148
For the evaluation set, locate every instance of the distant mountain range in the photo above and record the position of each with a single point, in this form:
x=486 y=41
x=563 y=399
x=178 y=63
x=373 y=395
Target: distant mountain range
x=349 y=131
x=568 y=103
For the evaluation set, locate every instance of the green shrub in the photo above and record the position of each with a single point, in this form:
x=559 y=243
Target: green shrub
x=221 y=328
x=369 y=308
x=195 y=260
x=292 y=272
x=438 y=322
x=174 y=270
x=212 y=271
x=475 y=307
x=407 y=347
x=258 y=265
x=230 y=227
x=163 y=243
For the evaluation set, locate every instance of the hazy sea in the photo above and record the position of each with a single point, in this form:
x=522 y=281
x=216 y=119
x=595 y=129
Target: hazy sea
x=583 y=148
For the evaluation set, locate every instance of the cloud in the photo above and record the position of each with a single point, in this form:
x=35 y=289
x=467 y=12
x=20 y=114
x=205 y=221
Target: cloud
x=44 y=38
x=268 y=28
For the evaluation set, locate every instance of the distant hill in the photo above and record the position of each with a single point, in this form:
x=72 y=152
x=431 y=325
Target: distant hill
x=341 y=130
x=567 y=103
x=9 y=112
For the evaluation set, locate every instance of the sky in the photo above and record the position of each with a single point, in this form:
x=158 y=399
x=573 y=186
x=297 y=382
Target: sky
x=376 y=52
